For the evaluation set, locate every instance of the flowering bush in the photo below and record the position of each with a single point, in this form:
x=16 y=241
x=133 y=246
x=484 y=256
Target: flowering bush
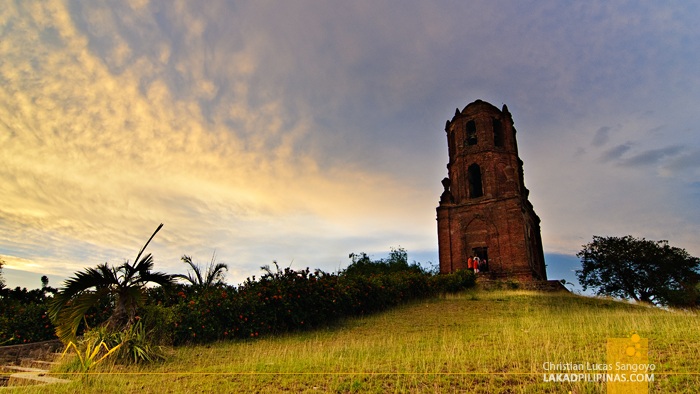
x=24 y=323
x=279 y=301
x=289 y=300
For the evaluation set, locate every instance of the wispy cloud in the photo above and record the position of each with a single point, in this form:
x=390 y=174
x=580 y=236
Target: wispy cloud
x=686 y=166
x=601 y=136
x=643 y=158
x=652 y=156
x=101 y=146
x=616 y=152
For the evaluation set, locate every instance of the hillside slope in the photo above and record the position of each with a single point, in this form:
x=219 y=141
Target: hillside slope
x=475 y=342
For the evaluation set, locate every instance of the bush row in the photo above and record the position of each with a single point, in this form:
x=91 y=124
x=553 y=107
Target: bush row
x=291 y=300
x=281 y=301
x=24 y=323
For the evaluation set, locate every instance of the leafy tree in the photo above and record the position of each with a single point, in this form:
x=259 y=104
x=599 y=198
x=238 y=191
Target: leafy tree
x=640 y=269
x=24 y=296
x=124 y=285
x=212 y=276
x=396 y=262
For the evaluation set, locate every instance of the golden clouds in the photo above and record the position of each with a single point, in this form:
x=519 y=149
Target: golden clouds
x=101 y=140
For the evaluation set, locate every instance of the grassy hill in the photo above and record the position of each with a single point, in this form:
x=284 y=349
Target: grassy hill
x=475 y=342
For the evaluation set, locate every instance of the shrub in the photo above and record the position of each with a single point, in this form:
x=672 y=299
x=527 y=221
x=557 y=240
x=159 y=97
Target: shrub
x=287 y=300
x=397 y=261
x=453 y=282
x=90 y=351
x=137 y=346
x=158 y=321
x=24 y=322
x=133 y=345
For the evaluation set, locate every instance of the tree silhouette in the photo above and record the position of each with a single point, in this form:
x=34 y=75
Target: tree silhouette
x=211 y=277
x=124 y=285
x=640 y=269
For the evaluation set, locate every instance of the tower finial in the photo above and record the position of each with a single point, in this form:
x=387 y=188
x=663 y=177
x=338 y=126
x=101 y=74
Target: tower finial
x=506 y=113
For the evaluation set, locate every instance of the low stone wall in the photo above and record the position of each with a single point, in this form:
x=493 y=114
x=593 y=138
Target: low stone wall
x=545 y=285
x=14 y=354
x=509 y=284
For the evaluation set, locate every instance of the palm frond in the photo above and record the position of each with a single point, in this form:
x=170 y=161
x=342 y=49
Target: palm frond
x=126 y=272
x=138 y=256
x=159 y=278
x=188 y=278
x=140 y=264
x=213 y=275
x=68 y=317
x=101 y=277
x=197 y=278
x=216 y=274
x=145 y=264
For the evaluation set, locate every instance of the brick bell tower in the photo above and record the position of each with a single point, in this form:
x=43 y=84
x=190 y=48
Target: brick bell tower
x=484 y=210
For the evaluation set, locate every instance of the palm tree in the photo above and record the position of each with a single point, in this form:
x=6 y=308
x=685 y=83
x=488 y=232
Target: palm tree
x=123 y=284
x=213 y=276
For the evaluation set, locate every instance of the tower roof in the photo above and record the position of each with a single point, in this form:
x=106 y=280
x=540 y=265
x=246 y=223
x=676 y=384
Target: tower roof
x=480 y=104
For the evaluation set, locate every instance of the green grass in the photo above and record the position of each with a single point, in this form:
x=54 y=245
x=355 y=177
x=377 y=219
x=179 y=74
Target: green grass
x=475 y=342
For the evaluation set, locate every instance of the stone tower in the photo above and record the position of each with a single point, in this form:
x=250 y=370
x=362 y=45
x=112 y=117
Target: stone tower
x=484 y=210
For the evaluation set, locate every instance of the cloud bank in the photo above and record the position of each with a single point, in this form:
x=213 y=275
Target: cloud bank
x=305 y=131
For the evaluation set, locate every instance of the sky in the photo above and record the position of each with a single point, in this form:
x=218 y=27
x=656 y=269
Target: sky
x=303 y=131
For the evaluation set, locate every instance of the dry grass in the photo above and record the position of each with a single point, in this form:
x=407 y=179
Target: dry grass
x=476 y=342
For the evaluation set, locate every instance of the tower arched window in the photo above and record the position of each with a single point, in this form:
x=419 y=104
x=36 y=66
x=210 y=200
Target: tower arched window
x=471 y=133
x=498 y=133
x=476 y=189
